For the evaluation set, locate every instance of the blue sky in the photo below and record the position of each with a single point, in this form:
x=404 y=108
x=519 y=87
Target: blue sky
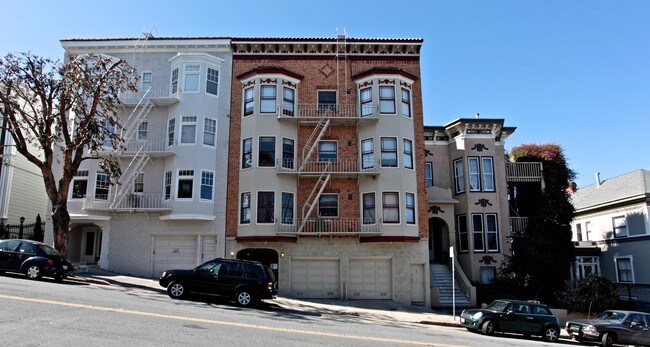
x=576 y=73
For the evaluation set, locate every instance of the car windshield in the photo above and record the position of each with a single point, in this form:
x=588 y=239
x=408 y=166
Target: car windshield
x=611 y=316
x=49 y=250
x=498 y=306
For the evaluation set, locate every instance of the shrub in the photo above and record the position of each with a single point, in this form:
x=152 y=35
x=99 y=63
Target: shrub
x=593 y=293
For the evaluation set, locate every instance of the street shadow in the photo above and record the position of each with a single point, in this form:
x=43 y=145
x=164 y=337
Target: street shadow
x=43 y=279
x=561 y=341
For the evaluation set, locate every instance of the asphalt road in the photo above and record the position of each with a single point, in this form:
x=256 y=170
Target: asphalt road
x=45 y=313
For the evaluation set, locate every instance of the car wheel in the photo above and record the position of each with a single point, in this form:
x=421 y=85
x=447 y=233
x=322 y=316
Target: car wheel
x=551 y=334
x=176 y=290
x=33 y=272
x=488 y=328
x=607 y=340
x=244 y=298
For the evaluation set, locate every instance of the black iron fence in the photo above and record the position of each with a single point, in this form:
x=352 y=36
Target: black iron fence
x=34 y=231
x=634 y=296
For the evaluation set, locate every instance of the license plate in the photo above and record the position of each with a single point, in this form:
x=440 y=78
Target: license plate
x=65 y=267
x=462 y=320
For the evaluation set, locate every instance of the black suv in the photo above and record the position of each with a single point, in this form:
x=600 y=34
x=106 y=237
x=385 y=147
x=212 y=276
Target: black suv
x=34 y=259
x=513 y=316
x=247 y=282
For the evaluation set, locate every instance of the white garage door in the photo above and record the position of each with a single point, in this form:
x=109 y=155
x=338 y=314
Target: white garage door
x=315 y=279
x=173 y=253
x=370 y=279
x=209 y=249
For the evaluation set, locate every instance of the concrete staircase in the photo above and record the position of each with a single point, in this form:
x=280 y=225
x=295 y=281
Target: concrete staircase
x=441 y=278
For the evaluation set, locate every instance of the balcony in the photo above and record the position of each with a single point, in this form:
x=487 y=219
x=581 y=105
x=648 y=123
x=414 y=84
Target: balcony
x=159 y=95
x=339 y=167
x=330 y=227
x=155 y=149
x=518 y=225
x=338 y=113
x=524 y=172
x=126 y=203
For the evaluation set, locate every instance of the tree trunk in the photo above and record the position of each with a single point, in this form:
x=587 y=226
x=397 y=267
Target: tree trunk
x=60 y=225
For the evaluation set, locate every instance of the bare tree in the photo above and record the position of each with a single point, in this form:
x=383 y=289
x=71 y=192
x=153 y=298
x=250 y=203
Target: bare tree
x=60 y=115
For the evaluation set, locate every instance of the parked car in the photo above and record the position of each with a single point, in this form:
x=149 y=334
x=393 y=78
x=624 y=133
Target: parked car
x=612 y=327
x=246 y=282
x=34 y=259
x=513 y=316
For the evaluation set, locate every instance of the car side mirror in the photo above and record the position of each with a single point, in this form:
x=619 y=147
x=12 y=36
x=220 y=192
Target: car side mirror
x=511 y=312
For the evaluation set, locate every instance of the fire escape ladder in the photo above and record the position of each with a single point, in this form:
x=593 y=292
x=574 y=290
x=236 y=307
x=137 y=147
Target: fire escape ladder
x=315 y=194
x=136 y=165
x=312 y=142
x=139 y=113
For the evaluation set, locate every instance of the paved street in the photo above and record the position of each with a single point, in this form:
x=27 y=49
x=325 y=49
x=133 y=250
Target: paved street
x=77 y=313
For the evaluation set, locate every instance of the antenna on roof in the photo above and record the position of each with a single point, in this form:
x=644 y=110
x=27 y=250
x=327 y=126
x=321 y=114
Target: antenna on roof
x=147 y=32
x=341 y=36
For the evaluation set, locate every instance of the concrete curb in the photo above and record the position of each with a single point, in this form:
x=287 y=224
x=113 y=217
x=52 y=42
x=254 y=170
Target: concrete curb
x=88 y=280
x=444 y=324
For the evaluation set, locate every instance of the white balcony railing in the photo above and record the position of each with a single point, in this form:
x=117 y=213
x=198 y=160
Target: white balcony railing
x=524 y=172
x=332 y=226
x=333 y=111
x=518 y=225
x=126 y=202
x=335 y=166
x=160 y=95
x=147 y=146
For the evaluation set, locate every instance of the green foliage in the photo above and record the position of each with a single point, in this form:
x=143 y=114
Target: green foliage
x=542 y=254
x=591 y=294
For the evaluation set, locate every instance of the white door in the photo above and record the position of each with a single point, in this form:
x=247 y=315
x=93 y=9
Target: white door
x=315 y=279
x=417 y=284
x=370 y=279
x=173 y=253
x=209 y=248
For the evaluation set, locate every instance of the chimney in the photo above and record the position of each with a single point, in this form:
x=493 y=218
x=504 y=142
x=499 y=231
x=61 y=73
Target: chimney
x=597 y=179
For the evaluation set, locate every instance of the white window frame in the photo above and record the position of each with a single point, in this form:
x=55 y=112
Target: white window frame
x=617 y=225
x=488 y=232
x=242 y=207
x=293 y=208
x=143 y=131
x=167 y=185
x=385 y=100
x=382 y=151
x=209 y=80
x=138 y=179
x=243 y=164
x=459 y=176
x=187 y=72
x=207 y=180
x=476 y=231
x=588 y=231
x=97 y=185
x=145 y=82
x=266 y=100
x=259 y=148
x=365 y=102
x=188 y=122
x=408 y=156
x=174 y=81
x=171 y=130
x=80 y=175
x=367 y=156
x=289 y=163
x=406 y=103
x=257 y=208
x=248 y=99
x=210 y=130
x=616 y=261
x=184 y=175
x=428 y=172
x=384 y=208
x=369 y=221
x=324 y=143
x=408 y=208
x=288 y=104
x=463 y=232
x=474 y=174
x=489 y=184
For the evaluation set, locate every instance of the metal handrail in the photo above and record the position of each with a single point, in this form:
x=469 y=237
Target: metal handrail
x=318 y=111
x=335 y=166
x=331 y=226
x=127 y=201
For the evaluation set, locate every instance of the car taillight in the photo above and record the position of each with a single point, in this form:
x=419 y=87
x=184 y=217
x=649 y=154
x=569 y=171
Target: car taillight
x=269 y=286
x=50 y=262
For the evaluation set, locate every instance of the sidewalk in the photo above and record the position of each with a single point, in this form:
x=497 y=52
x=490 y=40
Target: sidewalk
x=375 y=310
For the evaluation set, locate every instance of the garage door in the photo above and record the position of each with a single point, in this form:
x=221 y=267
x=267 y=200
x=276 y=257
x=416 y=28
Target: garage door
x=209 y=249
x=370 y=279
x=173 y=253
x=315 y=279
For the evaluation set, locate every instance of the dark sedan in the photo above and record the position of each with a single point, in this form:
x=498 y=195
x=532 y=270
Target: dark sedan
x=34 y=259
x=513 y=316
x=612 y=327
